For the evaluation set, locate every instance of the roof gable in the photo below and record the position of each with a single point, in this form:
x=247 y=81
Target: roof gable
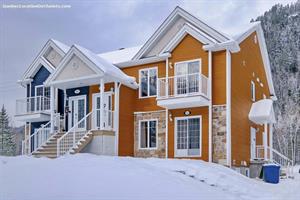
x=175 y=20
x=41 y=59
x=73 y=66
x=185 y=30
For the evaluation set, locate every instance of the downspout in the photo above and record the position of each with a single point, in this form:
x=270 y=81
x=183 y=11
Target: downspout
x=271 y=140
x=52 y=107
x=64 y=110
x=116 y=115
x=167 y=110
x=210 y=150
x=228 y=108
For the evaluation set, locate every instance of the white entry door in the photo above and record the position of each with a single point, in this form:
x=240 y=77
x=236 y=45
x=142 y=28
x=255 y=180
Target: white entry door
x=77 y=107
x=253 y=143
x=107 y=112
x=188 y=136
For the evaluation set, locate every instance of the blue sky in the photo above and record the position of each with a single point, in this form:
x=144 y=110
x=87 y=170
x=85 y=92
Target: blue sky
x=101 y=26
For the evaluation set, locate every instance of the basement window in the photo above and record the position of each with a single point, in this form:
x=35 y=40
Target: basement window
x=148 y=134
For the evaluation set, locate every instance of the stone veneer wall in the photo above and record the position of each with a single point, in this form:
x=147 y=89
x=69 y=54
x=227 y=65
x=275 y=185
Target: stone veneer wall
x=219 y=133
x=161 y=145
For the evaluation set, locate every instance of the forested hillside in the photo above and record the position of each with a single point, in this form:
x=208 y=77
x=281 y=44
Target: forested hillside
x=281 y=26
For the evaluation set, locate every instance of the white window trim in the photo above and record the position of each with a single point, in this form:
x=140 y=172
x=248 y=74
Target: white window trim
x=36 y=88
x=188 y=61
x=148 y=69
x=200 y=137
x=139 y=138
x=252 y=89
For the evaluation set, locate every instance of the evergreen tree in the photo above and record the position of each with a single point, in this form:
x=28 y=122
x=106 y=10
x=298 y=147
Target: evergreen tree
x=7 y=143
x=282 y=33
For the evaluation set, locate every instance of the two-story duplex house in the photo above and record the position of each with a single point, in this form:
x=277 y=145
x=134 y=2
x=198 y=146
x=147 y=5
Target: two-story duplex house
x=190 y=91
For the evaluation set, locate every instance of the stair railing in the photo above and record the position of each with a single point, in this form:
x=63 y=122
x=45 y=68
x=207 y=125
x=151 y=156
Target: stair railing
x=283 y=161
x=68 y=141
x=40 y=136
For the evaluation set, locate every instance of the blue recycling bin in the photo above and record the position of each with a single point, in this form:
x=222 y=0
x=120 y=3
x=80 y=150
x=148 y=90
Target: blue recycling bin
x=271 y=173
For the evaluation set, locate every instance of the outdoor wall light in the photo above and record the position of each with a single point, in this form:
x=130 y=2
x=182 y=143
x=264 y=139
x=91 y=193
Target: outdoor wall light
x=170 y=117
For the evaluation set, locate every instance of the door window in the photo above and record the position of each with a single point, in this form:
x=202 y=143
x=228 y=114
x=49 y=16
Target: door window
x=187 y=77
x=188 y=134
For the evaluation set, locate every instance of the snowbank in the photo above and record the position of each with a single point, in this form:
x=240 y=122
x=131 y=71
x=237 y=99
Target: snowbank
x=89 y=177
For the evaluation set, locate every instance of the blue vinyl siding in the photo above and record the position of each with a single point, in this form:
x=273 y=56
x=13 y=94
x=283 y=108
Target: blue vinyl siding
x=39 y=79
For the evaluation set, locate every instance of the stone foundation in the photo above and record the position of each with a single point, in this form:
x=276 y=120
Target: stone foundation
x=160 y=151
x=219 y=133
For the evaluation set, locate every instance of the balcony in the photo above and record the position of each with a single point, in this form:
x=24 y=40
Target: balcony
x=33 y=109
x=183 y=91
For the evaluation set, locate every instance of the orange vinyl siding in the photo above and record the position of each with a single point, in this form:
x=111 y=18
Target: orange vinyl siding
x=203 y=111
x=148 y=103
x=244 y=64
x=189 y=49
x=219 y=78
x=130 y=103
x=126 y=121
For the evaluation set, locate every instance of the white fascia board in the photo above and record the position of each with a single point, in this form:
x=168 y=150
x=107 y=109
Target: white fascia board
x=263 y=50
x=187 y=16
x=143 y=61
x=266 y=61
x=188 y=29
x=28 y=73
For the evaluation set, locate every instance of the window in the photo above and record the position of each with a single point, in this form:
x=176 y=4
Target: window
x=148 y=82
x=40 y=90
x=252 y=91
x=147 y=134
x=188 y=136
x=187 y=76
x=42 y=98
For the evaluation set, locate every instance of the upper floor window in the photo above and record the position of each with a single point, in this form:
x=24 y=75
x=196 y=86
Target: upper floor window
x=188 y=67
x=252 y=91
x=40 y=90
x=148 y=82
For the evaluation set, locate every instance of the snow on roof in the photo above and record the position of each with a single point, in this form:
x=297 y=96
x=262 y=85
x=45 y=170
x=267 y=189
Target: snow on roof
x=122 y=55
x=262 y=112
x=105 y=66
x=244 y=30
x=65 y=48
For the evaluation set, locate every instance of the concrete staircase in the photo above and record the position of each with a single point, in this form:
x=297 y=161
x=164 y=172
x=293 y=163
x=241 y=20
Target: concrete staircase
x=82 y=143
x=49 y=149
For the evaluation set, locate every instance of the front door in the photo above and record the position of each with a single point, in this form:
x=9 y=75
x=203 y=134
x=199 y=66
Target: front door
x=253 y=143
x=188 y=136
x=77 y=106
x=107 y=112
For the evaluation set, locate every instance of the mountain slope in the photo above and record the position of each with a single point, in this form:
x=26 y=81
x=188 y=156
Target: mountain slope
x=281 y=26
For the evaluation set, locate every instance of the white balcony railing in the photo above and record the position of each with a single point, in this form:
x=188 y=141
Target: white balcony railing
x=183 y=85
x=32 y=105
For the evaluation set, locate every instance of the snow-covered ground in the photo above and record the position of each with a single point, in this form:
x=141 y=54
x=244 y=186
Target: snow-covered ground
x=86 y=177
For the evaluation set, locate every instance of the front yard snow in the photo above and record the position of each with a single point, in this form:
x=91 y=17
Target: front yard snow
x=91 y=177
